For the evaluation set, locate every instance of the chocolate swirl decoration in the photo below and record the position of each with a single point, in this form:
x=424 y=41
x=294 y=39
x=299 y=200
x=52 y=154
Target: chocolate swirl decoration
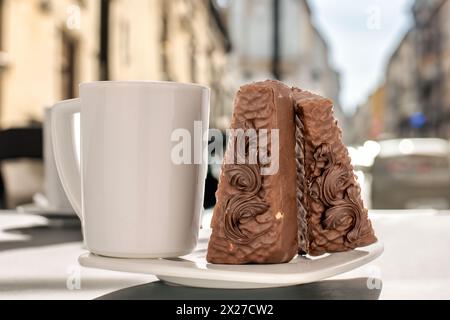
x=344 y=218
x=335 y=188
x=337 y=180
x=322 y=159
x=245 y=206
x=245 y=178
x=242 y=207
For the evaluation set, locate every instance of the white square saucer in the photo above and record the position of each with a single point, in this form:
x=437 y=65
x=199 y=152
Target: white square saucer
x=193 y=270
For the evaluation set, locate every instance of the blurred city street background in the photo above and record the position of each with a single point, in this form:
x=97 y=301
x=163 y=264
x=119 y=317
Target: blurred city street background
x=384 y=63
x=386 y=66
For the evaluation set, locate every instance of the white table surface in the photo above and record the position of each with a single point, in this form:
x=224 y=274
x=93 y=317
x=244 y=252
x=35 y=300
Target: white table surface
x=35 y=264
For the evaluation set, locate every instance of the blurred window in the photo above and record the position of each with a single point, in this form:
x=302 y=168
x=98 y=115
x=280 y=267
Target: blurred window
x=68 y=67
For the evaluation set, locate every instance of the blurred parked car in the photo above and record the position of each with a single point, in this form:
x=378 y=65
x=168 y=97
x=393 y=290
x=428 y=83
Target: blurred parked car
x=411 y=174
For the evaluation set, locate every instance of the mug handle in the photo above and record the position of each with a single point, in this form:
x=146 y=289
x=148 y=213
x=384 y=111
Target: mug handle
x=64 y=150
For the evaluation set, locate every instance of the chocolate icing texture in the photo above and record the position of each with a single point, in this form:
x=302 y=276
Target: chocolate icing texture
x=336 y=217
x=255 y=109
x=254 y=220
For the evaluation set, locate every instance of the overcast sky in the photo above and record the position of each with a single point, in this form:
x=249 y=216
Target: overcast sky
x=362 y=36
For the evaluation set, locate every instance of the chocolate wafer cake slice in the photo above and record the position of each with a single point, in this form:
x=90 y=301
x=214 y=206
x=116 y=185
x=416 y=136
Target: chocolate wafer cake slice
x=331 y=215
x=255 y=219
x=311 y=204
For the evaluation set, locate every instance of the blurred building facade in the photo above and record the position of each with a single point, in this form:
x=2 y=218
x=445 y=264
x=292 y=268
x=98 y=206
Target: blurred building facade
x=359 y=129
x=432 y=25
x=277 y=39
x=49 y=46
x=369 y=120
x=417 y=100
x=172 y=40
x=401 y=82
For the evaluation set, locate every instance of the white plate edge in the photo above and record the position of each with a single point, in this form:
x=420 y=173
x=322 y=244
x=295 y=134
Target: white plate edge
x=91 y=261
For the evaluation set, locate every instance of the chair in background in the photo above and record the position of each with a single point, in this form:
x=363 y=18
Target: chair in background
x=19 y=144
x=211 y=184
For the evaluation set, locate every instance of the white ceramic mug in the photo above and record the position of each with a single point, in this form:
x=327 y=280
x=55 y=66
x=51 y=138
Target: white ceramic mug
x=133 y=200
